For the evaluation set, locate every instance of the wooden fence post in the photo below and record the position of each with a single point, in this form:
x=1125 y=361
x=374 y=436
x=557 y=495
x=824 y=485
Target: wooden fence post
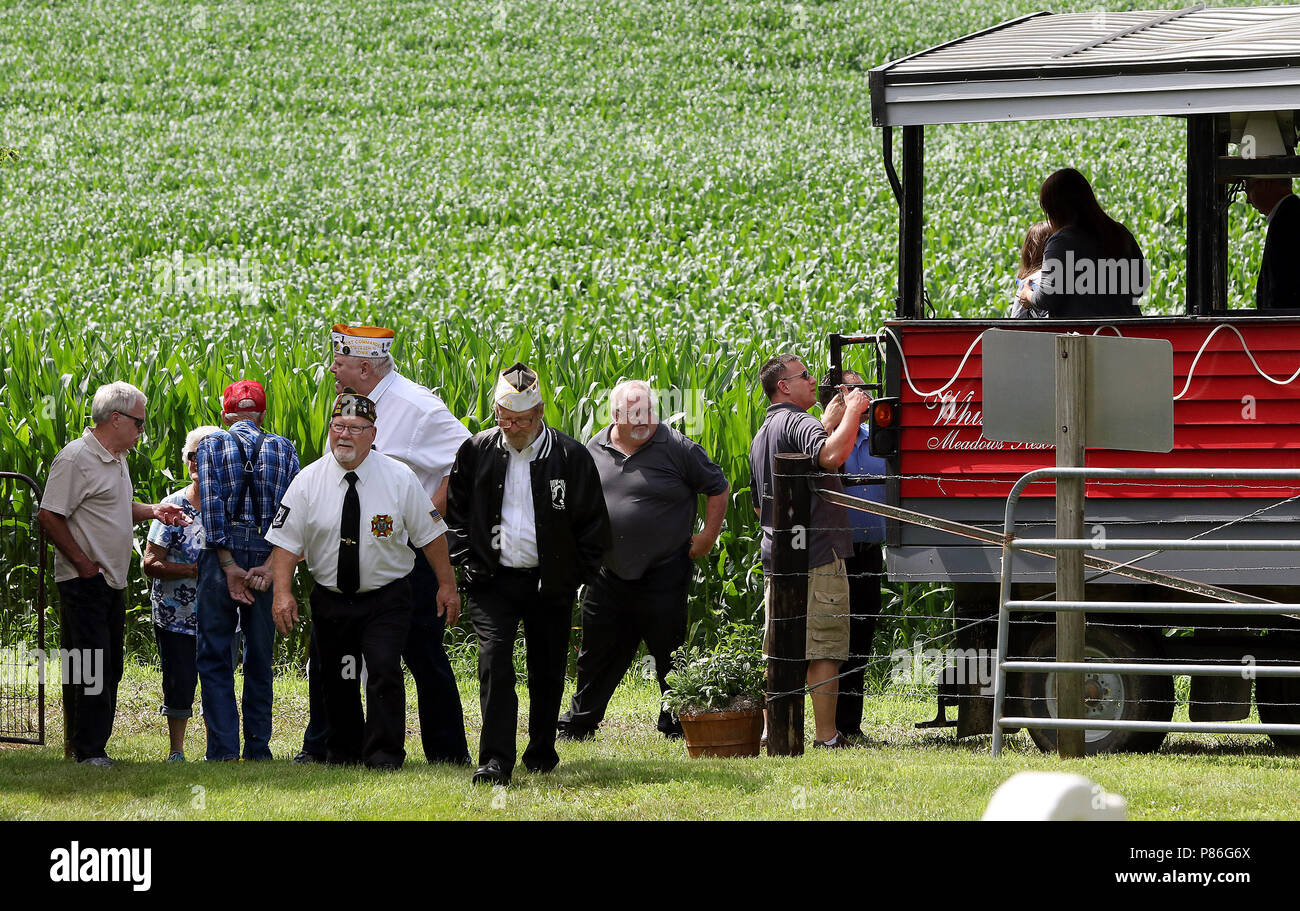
x=787 y=665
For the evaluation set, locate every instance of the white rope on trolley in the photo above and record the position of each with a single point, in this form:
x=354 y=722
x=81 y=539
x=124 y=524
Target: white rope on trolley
x=1191 y=372
x=880 y=345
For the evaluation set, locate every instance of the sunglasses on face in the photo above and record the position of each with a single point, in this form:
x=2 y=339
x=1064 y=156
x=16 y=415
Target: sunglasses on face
x=798 y=376
x=139 y=422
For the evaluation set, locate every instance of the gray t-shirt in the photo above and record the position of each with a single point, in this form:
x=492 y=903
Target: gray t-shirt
x=788 y=428
x=91 y=488
x=651 y=497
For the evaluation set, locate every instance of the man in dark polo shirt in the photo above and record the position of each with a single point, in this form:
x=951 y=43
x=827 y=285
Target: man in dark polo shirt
x=652 y=477
x=789 y=427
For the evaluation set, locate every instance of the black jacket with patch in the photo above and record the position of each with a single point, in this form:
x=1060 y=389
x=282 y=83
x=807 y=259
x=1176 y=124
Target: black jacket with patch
x=568 y=506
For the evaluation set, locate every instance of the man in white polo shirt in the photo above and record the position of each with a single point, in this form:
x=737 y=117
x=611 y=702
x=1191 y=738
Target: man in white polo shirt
x=416 y=428
x=350 y=514
x=88 y=511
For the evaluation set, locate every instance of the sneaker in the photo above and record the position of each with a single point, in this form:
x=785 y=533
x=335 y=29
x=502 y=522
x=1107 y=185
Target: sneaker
x=99 y=762
x=838 y=742
x=176 y=756
x=305 y=758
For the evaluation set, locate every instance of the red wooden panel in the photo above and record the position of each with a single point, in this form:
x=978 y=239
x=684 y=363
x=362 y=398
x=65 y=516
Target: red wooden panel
x=1229 y=416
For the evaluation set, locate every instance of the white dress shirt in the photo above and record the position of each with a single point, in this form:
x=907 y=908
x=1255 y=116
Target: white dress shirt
x=414 y=426
x=394 y=507
x=518 y=521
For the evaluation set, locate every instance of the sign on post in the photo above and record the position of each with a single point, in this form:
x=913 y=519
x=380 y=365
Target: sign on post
x=1106 y=392
x=1128 y=390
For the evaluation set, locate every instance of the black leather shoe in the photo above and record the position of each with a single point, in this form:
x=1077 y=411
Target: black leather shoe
x=571 y=733
x=491 y=773
x=305 y=758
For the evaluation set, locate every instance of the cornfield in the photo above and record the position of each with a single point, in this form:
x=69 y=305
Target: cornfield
x=664 y=190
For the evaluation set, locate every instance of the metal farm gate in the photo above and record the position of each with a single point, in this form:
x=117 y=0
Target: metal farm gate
x=22 y=611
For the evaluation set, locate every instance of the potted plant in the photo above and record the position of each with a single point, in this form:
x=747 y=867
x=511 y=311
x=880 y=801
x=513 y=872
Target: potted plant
x=718 y=693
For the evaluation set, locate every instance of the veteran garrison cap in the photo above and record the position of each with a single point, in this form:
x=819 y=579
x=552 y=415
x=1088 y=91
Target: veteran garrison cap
x=362 y=341
x=517 y=389
x=353 y=405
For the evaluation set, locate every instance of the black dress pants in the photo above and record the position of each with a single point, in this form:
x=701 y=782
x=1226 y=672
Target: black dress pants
x=94 y=620
x=864 y=569
x=442 y=721
x=497 y=606
x=617 y=615
x=370 y=627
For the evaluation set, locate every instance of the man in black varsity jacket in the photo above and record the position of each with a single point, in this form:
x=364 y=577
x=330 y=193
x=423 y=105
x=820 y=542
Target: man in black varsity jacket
x=529 y=525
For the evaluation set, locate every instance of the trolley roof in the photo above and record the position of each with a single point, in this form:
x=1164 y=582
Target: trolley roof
x=1195 y=60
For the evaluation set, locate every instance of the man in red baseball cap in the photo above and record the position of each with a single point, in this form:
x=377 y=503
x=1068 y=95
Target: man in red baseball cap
x=243 y=474
x=244 y=397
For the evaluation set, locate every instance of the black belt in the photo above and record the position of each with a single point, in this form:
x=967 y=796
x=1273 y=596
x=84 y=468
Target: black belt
x=525 y=571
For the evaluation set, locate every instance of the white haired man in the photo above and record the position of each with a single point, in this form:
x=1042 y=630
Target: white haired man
x=87 y=510
x=652 y=477
x=525 y=509
x=416 y=428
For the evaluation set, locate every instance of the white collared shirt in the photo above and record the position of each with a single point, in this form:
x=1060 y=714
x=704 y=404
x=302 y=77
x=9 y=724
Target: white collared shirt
x=394 y=508
x=518 y=520
x=414 y=426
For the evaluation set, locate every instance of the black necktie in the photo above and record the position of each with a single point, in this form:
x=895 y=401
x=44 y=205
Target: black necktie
x=350 y=539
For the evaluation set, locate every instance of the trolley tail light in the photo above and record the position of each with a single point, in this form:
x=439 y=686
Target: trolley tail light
x=884 y=428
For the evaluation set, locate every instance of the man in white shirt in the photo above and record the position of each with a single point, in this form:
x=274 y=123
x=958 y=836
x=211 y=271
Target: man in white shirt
x=350 y=515
x=416 y=428
x=528 y=516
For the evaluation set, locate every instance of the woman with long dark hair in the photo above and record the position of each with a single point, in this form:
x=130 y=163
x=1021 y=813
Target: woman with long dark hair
x=1092 y=265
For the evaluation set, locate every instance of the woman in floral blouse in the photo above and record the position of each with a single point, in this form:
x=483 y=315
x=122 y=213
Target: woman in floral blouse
x=171 y=560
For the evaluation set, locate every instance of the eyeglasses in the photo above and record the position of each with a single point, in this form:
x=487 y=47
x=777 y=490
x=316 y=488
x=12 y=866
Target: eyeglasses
x=139 y=422
x=521 y=423
x=798 y=376
x=344 y=430
x=192 y=457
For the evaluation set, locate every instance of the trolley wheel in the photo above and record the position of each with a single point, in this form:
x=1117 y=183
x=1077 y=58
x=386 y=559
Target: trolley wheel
x=1112 y=697
x=1278 y=701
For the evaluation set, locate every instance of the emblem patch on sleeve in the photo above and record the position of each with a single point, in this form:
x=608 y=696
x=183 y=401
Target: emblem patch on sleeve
x=280 y=515
x=381 y=526
x=435 y=515
x=557 y=493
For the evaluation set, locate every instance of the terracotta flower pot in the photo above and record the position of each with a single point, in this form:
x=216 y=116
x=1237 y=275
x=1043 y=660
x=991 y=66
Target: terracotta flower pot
x=723 y=733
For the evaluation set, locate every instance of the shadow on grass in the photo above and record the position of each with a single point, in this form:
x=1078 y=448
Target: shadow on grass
x=52 y=778
x=745 y=775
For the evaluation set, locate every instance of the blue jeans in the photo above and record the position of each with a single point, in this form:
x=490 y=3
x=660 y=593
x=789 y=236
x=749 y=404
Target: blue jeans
x=218 y=616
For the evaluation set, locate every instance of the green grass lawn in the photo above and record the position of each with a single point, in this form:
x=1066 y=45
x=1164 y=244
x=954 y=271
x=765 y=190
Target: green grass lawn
x=628 y=772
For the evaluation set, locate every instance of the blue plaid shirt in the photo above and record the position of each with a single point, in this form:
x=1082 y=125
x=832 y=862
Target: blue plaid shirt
x=221 y=475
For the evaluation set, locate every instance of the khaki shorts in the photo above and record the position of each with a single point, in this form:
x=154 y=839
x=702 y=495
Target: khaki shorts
x=828 y=613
